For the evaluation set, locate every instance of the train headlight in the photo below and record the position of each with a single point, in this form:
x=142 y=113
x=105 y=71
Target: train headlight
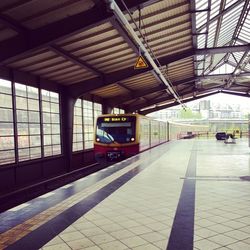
x=132 y=139
x=97 y=139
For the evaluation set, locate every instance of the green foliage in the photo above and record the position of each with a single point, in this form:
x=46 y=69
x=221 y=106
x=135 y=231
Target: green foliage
x=246 y=116
x=189 y=114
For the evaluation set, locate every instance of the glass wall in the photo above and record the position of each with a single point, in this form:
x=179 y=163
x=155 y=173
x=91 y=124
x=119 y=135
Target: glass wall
x=85 y=114
x=118 y=111
x=7 y=146
x=51 y=123
x=27 y=113
x=28 y=122
x=78 y=126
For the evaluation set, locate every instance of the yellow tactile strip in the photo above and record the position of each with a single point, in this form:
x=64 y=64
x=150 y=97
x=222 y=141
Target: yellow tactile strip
x=16 y=233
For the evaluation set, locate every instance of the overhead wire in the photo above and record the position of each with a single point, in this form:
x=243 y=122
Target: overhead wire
x=145 y=42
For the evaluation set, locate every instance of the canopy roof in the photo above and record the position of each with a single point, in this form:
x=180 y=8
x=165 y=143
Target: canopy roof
x=202 y=47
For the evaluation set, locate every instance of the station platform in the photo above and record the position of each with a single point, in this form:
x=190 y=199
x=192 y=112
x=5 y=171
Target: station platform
x=188 y=194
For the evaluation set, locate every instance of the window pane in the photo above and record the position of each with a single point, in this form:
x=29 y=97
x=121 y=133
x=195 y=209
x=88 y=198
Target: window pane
x=7 y=157
x=47 y=140
x=24 y=154
x=46 y=117
x=45 y=95
x=56 y=139
x=5 y=101
x=20 y=89
x=23 y=141
x=56 y=149
x=21 y=103
x=22 y=129
x=77 y=120
x=5 y=86
x=78 y=111
x=6 y=129
x=88 y=145
x=78 y=103
x=22 y=116
x=54 y=107
x=78 y=138
x=79 y=145
x=34 y=117
x=35 y=140
x=47 y=150
x=47 y=128
x=56 y=128
x=54 y=97
x=6 y=142
x=32 y=92
x=55 y=118
x=34 y=129
x=35 y=153
x=6 y=115
x=33 y=104
x=46 y=106
x=78 y=129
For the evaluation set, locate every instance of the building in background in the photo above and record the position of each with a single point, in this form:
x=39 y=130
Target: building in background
x=204 y=109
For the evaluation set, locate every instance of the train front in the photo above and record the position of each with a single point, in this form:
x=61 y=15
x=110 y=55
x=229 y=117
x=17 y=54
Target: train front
x=115 y=137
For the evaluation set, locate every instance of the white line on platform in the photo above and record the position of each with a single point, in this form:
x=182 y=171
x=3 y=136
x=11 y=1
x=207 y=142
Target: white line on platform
x=14 y=209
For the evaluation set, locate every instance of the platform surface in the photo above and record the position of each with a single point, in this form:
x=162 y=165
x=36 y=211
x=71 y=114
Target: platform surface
x=188 y=194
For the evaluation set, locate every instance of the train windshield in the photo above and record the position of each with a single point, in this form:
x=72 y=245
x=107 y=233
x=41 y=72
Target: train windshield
x=115 y=129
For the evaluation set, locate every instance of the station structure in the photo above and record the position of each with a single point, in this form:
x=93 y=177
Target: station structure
x=63 y=63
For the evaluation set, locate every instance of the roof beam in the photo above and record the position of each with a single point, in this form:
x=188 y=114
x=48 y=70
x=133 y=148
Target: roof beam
x=169 y=105
x=13 y=48
x=124 y=86
x=11 y=23
x=125 y=35
x=222 y=75
x=221 y=50
x=122 y=99
x=133 y=108
x=138 y=94
x=193 y=27
x=142 y=93
x=75 y=59
x=240 y=64
x=14 y=5
x=236 y=93
x=167 y=98
x=81 y=88
x=184 y=81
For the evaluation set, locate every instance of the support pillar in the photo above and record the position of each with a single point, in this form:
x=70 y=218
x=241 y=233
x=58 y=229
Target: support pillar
x=67 y=117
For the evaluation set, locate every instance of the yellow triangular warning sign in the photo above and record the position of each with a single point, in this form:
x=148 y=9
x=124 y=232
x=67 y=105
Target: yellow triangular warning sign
x=140 y=63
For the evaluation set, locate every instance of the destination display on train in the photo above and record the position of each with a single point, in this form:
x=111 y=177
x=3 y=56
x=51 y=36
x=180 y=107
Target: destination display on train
x=116 y=119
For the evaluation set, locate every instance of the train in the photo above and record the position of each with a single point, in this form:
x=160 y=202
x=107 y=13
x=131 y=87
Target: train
x=120 y=136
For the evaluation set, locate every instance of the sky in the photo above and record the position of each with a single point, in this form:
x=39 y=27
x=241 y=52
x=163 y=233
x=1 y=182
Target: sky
x=221 y=98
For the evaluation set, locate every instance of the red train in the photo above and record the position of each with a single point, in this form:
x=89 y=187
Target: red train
x=121 y=136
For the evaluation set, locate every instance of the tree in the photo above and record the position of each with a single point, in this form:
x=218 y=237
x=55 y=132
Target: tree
x=189 y=114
